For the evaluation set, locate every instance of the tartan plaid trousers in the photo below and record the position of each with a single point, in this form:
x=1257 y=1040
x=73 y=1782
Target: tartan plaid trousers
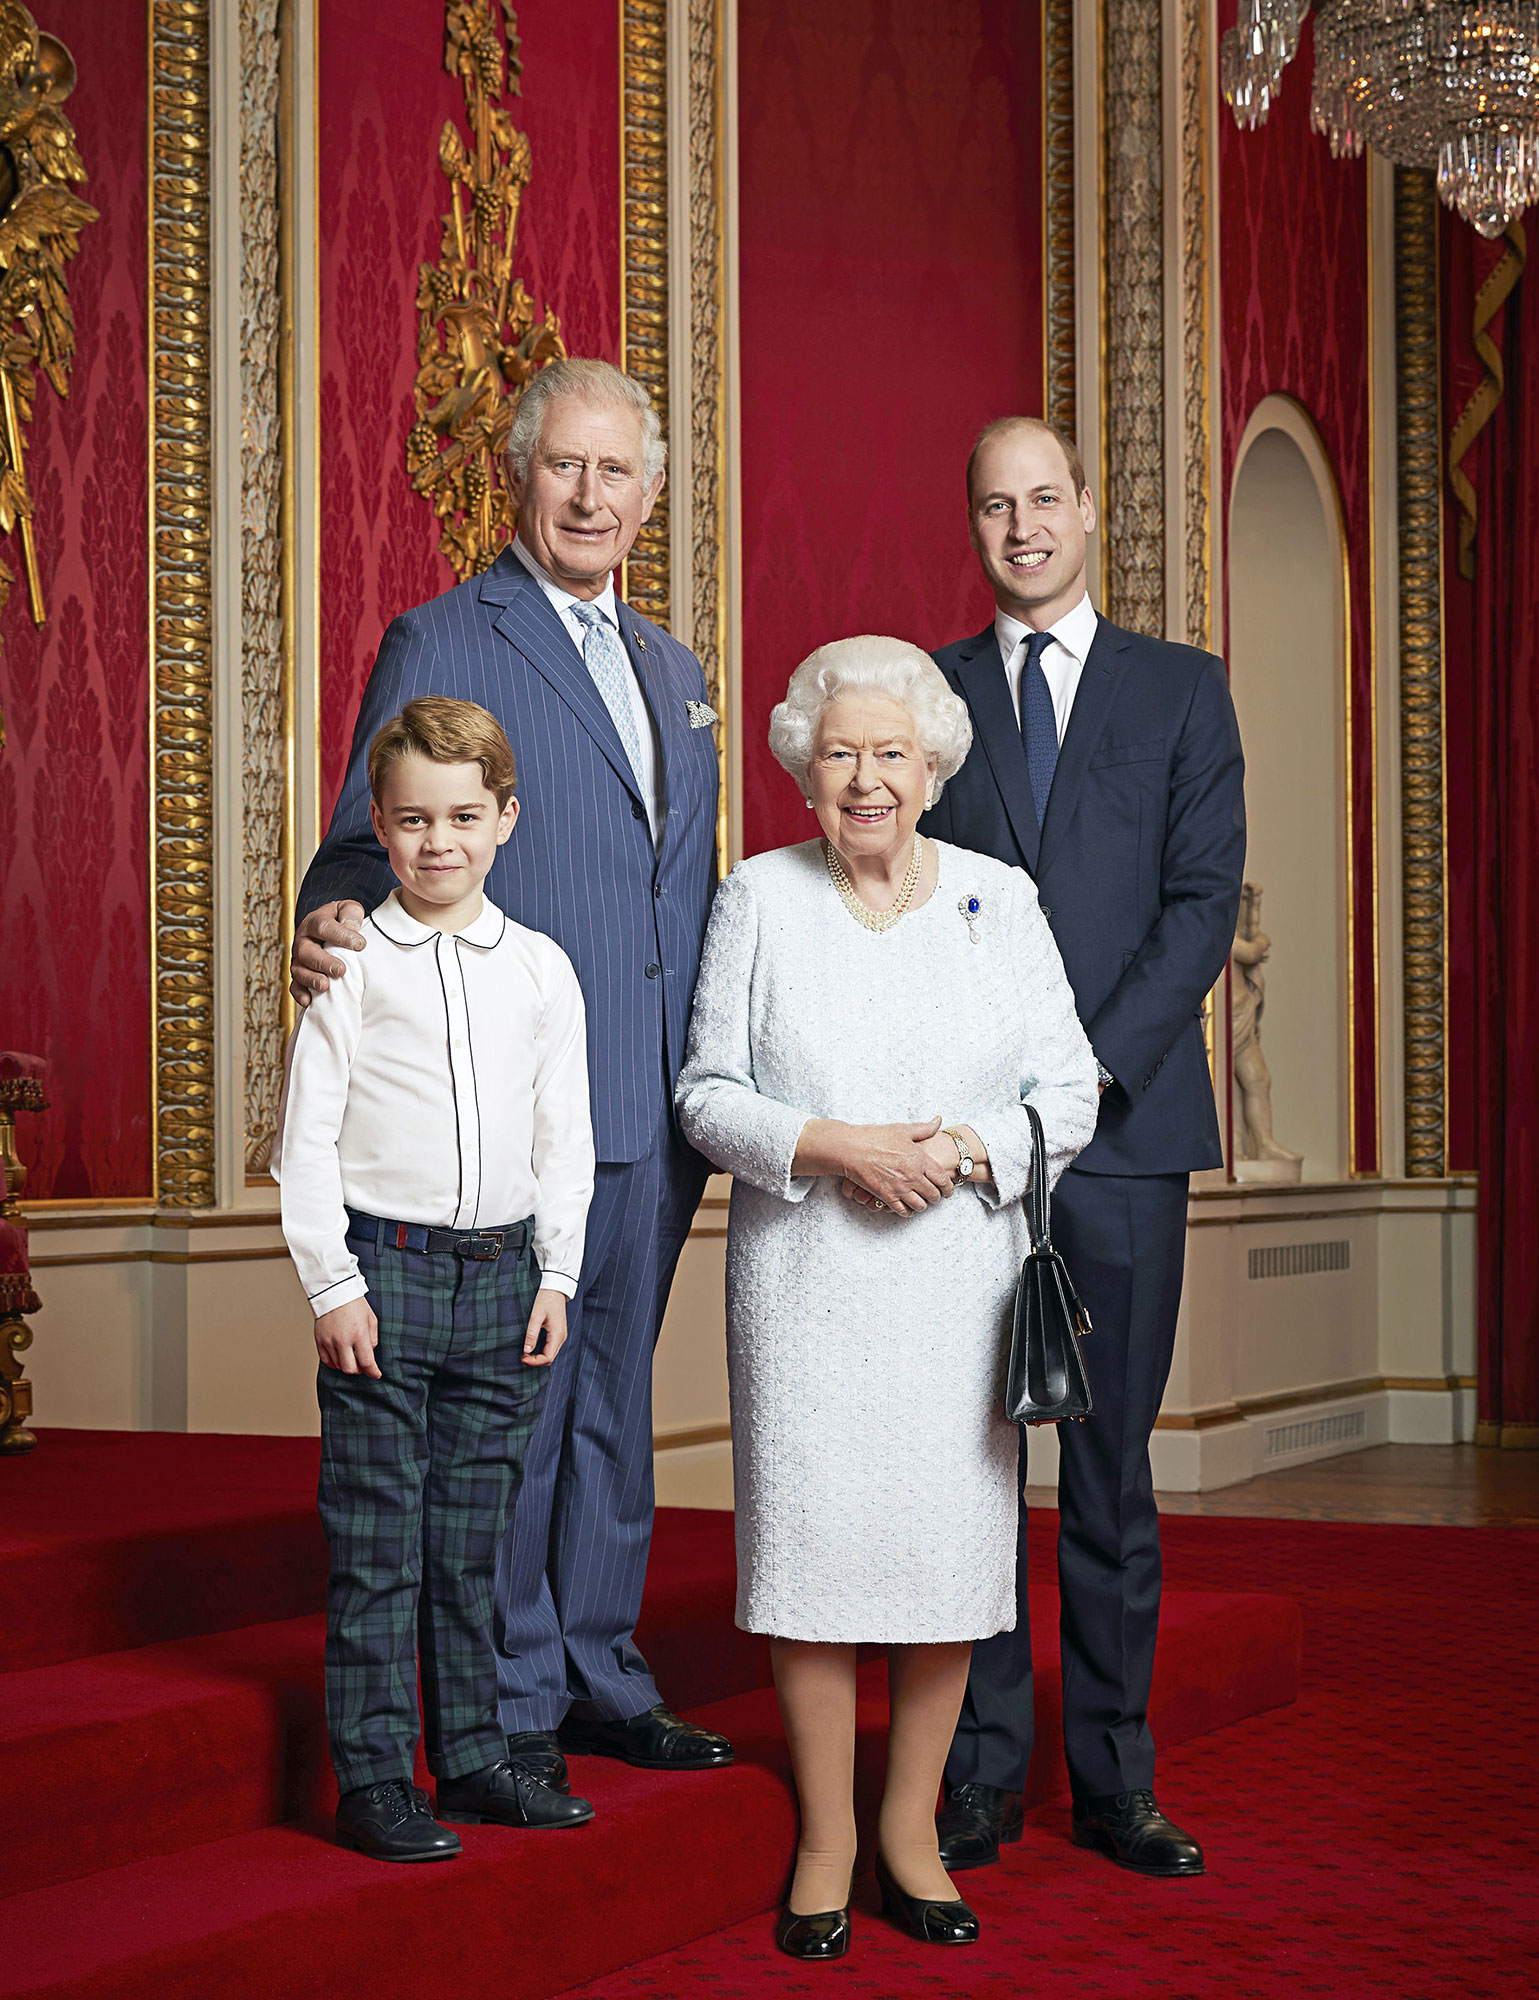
x=419 y=1472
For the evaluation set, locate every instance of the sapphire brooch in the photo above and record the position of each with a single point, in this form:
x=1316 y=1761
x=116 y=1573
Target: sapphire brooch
x=969 y=907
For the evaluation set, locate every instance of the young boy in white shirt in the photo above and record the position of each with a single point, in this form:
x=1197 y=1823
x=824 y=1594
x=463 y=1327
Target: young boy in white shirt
x=435 y=1156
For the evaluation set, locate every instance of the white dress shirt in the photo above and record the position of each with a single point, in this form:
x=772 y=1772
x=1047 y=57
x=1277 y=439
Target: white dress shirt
x=442 y=1080
x=650 y=776
x=1062 y=662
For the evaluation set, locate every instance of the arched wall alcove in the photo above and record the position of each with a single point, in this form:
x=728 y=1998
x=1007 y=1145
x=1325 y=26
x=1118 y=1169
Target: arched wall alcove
x=1288 y=626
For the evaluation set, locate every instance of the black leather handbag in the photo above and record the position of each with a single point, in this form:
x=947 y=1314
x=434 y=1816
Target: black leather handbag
x=1047 y=1383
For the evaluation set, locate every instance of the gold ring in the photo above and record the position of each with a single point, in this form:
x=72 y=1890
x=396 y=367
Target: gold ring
x=877 y=1201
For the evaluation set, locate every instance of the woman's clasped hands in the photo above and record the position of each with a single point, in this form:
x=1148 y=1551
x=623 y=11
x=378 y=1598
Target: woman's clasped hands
x=900 y=1168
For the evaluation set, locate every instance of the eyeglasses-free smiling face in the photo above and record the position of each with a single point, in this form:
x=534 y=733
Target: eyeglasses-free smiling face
x=441 y=825
x=868 y=777
x=1029 y=526
x=583 y=503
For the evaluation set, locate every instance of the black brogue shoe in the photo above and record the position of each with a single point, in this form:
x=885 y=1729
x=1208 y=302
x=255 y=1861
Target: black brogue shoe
x=1130 y=1827
x=975 y=1822
x=537 y=1752
x=392 y=1821
x=505 y=1794
x=656 y=1741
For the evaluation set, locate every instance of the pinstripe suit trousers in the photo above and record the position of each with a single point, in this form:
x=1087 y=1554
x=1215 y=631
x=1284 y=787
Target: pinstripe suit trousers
x=574 y=1557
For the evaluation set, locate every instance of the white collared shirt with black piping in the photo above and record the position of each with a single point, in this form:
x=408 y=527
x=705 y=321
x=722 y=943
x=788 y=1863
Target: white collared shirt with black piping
x=442 y=1080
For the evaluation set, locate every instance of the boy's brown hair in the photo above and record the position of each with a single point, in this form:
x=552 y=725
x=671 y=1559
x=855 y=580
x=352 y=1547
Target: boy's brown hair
x=447 y=732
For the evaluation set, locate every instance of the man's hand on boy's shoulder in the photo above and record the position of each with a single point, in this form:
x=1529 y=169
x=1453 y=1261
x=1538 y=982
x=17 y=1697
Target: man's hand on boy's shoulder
x=346 y=1337
x=547 y=1322
x=313 y=963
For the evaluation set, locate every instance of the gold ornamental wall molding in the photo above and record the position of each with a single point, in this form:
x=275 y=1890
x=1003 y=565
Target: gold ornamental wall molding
x=1196 y=403
x=181 y=634
x=41 y=218
x=708 y=374
x=1060 y=397
x=1422 y=837
x=479 y=340
x=644 y=275
x=266 y=564
x=1132 y=315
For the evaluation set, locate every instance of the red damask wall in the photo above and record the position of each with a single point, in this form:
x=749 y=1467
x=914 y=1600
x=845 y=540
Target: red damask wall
x=891 y=299
x=74 y=822
x=1295 y=320
x=385 y=96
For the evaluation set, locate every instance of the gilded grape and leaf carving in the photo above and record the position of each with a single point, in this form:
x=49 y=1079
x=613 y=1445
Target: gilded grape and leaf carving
x=479 y=339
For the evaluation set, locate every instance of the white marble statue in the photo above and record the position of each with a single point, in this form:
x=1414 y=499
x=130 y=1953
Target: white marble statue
x=1258 y=1156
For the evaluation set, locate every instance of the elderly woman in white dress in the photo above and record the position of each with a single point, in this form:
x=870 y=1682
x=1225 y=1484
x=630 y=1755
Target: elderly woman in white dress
x=874 y=1012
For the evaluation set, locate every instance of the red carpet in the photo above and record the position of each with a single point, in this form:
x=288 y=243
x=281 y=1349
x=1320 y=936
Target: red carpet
x=163 y=1749
x=1376 y=1838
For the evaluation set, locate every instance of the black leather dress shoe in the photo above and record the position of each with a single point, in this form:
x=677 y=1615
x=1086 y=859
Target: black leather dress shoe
x=1130 y=1827
x=506 y=1795
x=392 y=1821
x=537 y=1752
x=975 y=1822
x=823 y=1935
x=930 y=1922
x=656 y=1741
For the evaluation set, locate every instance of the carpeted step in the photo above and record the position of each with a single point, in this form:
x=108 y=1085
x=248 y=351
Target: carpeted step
x=669 y=1859
x=122 y=1539
x=169 y=1747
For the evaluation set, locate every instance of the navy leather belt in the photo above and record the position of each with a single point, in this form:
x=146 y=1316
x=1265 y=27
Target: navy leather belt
x=481 y=1244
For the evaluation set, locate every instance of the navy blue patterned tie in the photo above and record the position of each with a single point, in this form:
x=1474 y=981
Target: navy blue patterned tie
x=1039 y=723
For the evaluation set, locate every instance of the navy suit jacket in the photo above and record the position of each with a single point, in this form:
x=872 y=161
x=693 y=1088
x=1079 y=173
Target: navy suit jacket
x=1138 y=866
x=580 y=865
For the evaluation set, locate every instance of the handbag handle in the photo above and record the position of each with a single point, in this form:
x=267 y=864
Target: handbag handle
x=1037 y=1210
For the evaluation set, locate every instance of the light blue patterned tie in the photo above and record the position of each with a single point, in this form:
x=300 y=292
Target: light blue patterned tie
x=604 y=657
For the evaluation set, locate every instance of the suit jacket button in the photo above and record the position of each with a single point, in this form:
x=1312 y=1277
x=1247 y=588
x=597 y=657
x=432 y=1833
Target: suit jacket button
x=1046 y=910
x=654 y=971
x=638 y=811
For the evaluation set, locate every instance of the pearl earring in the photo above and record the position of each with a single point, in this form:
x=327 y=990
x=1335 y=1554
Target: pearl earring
x=809 y=805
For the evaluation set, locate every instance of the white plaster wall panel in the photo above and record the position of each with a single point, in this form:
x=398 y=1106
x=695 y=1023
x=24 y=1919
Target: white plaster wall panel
x=1286 y=642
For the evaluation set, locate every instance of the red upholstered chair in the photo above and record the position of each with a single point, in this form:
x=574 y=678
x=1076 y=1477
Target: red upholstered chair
x=21 y=1089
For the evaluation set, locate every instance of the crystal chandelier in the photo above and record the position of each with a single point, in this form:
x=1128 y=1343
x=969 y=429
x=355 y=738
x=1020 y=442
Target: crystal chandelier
x=1451 y=88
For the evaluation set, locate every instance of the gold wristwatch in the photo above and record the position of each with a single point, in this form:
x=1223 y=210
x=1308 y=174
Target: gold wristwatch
x=965 y=1160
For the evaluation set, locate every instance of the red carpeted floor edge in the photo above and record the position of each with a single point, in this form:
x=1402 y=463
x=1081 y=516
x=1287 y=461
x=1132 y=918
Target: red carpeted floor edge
x=1373 y=1839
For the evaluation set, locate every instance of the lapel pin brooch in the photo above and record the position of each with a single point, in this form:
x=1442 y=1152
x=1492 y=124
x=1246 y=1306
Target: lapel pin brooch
x=970 y=906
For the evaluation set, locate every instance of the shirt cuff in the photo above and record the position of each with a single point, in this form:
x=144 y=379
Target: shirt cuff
x=339 y=1294
x=555 y=1281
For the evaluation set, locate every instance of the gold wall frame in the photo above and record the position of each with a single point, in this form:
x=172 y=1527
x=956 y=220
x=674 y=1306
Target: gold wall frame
x=644 y=311
x=267 y=628
x=1422 y=813
x=1130 y=86
x=1196 y=391
x=1060 y=388
x=181 y=608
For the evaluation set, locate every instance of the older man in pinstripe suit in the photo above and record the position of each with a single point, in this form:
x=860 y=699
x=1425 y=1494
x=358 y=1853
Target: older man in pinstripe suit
x=616 y=860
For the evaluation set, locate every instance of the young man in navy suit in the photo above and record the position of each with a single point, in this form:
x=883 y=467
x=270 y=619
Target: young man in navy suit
x=1108 y=765
x=610 y=720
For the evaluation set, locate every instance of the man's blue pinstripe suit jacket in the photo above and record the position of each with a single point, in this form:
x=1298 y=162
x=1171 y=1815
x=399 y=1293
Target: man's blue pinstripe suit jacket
x=580 y=865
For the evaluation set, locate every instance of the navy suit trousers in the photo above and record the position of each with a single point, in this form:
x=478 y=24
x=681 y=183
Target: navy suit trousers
x=1123 y=1239
x=573 y=1561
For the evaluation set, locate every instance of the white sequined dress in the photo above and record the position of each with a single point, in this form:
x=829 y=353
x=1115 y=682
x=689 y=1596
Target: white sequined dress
x=875 y=1471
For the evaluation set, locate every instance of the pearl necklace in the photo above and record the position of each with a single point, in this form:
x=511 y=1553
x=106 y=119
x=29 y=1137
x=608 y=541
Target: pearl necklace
x=874 y=920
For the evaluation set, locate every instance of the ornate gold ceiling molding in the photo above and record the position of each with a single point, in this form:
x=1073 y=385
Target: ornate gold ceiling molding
x=1060 y=397
x=1133 y=315
x=181 y=634
x=1422 y=829
x=644 y=337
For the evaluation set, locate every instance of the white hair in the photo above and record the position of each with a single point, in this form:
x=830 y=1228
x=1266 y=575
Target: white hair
x=591 y=382
x=890 y=667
